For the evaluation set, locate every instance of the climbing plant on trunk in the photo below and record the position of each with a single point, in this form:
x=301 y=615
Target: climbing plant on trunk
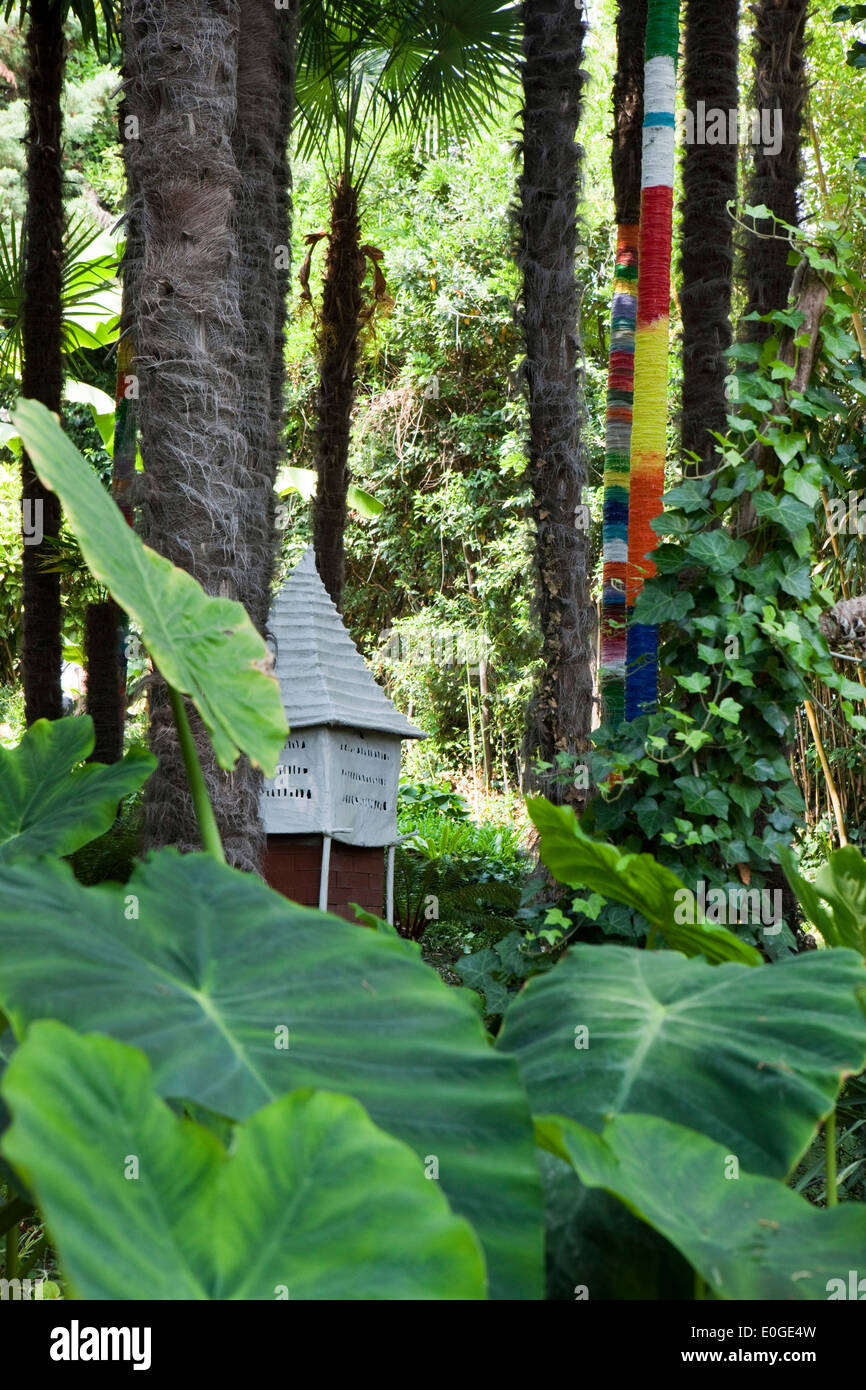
x=779 y=86
x=366 y=67
x=649 y=431
x=560 y=713
x=709 y=173
x=625 y=168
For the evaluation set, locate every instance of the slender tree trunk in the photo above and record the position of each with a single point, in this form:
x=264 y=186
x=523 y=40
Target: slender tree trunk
x=652 y=337
x=42 y=333
x=207 y=329
x=560 y=713
x=625 y=168
x=339 y=346
x=774 y=181
x=707 y=256
x=103 y=660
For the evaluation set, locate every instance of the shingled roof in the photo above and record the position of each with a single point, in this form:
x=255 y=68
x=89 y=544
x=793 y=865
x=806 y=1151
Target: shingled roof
x=323 y=677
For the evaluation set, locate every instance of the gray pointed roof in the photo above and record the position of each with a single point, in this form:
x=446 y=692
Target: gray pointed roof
x=323 y=677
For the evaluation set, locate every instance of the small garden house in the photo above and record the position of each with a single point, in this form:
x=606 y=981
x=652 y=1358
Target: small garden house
x=330 y=812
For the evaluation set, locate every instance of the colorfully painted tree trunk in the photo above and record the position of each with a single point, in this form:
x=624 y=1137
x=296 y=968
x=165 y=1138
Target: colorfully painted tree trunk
x=560 y=712
x=649 y=429
x=625 y=168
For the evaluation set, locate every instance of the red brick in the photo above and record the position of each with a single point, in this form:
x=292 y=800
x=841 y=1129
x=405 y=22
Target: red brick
x=352 y=880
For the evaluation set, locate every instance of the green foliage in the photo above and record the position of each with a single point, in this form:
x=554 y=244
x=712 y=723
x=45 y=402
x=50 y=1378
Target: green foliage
x=312 y=1202
x=49 y=804
x=197 y=642
x=204 y=968
x=638 y=1044
x=455 y=883
x=635 y=880
x=747 y=1236
x=836 y=902
x=704 y=782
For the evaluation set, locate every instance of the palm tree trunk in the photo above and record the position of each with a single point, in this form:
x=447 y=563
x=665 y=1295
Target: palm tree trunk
x=207 y=328
x=706 y=262
x=42 y=341
x=648 y=443
x=103 y=660
x=779 y=86
x=265 y=94
x=560 y=713
x=625 y=168
x=339 y=346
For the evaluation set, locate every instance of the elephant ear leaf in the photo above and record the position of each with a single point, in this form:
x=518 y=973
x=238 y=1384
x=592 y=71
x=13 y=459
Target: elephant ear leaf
x=313 y=1201
x=748 y=1236
x=207 y=648
x=49 y=804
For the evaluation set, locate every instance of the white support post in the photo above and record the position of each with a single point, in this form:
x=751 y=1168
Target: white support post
x=389 y=887
x=324 y=873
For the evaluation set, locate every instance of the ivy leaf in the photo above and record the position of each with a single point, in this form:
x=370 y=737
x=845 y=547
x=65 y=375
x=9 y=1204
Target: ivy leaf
x=701 y=798
x=785 y=511
x=728 y=709
x=654 y=606
x=718 y=551
x=696 y=682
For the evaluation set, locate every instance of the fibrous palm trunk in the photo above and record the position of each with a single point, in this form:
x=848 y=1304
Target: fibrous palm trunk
x=774 y=181
x=42 y=345
x=649 y=430
x=625 y=168
x=339 y=345
x=707 y=256
x=210 y=85
x=560 y=713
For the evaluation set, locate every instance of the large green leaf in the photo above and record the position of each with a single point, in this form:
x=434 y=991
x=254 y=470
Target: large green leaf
x=205 y=647
x=313 y=1201
x=836 y=901
x=48 y=805
x=204 y=968
x=749 y=1237
x=634 y=879
x=751 y=1058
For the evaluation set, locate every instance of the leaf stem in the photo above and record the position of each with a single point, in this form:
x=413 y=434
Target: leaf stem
x=830 y=1155
x=207 y=825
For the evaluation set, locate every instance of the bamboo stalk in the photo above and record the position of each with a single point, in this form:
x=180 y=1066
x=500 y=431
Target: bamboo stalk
x=828 y=776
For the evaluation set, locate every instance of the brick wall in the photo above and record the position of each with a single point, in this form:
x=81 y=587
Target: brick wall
x=293 y=862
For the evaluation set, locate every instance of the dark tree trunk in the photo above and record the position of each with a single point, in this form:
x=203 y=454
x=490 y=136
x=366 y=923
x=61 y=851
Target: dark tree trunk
x=779 y=85
x=42 y=339
x=706 y=261
x=106 y=701
x=560 y=714
x=207 y=332
x=625 y=159
x=339 y=345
